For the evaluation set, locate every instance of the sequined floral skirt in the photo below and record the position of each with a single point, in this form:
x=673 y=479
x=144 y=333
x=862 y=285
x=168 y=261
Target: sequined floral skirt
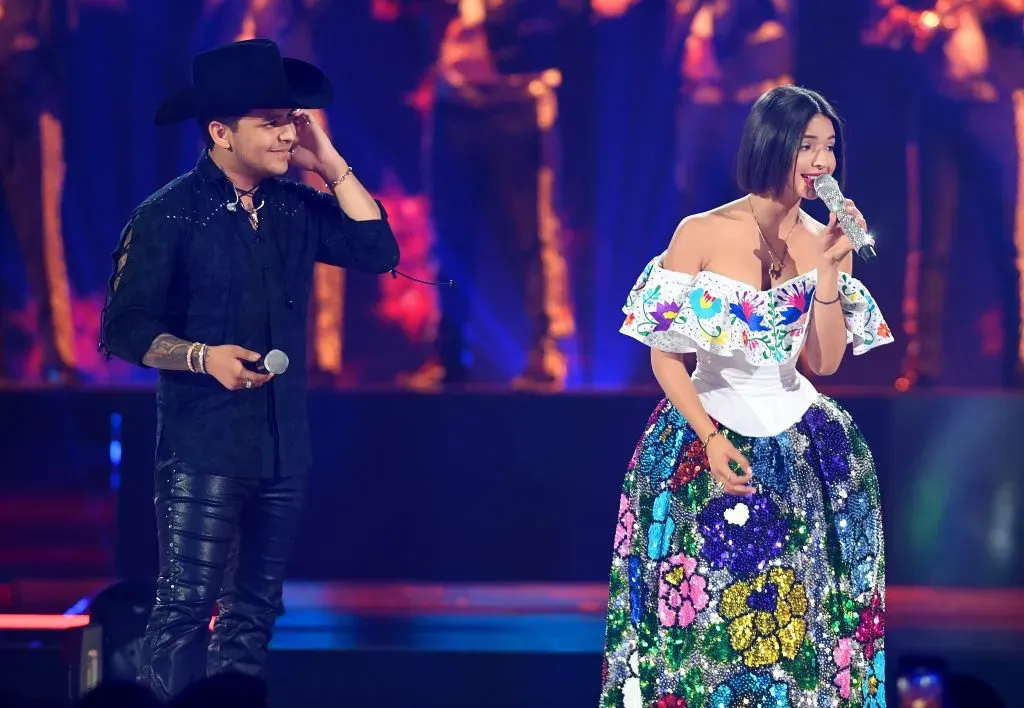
x=768 y=601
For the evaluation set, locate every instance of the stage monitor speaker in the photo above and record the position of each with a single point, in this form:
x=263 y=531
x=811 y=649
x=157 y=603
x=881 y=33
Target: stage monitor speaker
x=58 y=666
x=123 y=609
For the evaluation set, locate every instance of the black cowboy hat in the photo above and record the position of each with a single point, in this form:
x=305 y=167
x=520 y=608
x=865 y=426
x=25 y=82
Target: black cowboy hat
x=236 y=78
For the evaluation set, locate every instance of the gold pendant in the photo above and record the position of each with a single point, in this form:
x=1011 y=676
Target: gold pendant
x=775 y=271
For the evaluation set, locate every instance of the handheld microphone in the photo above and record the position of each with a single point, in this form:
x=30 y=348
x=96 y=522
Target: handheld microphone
x=275 y=362
x=828 y=191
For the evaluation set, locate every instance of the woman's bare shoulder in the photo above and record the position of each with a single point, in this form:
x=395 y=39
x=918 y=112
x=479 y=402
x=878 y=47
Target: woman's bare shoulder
x=697 y=236
x=689 y=245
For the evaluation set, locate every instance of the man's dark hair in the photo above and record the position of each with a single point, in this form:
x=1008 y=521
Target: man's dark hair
x=204 y=127
x=773 y=133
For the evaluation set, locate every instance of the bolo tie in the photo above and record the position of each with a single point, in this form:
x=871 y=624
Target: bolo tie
x=254 y=219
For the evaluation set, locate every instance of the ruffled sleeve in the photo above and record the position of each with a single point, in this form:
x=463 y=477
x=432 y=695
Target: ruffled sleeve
x=682 y=313
x=865 y=326
x=654 y=305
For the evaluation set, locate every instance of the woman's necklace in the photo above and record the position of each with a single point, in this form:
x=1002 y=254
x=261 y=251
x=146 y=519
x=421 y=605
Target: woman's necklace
x=775 y=269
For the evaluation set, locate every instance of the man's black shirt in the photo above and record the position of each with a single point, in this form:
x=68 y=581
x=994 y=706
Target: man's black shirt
x=188 y=266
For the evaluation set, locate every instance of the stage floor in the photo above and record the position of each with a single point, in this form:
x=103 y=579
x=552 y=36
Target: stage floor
x=527 y=645
x=507 y=617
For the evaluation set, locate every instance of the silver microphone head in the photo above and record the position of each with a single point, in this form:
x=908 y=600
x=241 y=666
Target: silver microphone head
x=276 y=362
x=827 y=189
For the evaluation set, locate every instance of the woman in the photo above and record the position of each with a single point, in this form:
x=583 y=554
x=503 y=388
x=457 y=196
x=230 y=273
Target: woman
x=748 y=565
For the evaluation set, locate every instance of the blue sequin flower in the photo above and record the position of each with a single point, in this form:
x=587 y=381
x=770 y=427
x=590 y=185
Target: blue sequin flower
x=831 y=453
x=661 y=446
x=873 y=688
x=637 y=594
x=741 y=534
x=770 y=459
x=659 y=535
x=751 y=690
x=857 y=530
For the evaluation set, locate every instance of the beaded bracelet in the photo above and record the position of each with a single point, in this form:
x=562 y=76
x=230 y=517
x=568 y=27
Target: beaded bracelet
x=188 y=357
x=331 y=185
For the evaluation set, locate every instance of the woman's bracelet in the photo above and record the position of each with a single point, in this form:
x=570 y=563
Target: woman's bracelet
x=706 y=440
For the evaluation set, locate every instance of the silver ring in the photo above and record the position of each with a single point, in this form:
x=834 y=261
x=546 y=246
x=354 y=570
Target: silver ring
x=248 y=383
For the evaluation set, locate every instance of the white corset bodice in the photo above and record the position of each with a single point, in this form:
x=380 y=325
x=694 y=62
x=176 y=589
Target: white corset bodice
x=755 y=401
x=747 y=341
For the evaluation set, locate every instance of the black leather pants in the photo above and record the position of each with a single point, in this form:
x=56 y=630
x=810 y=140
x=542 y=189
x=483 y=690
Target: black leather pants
x=223 y=540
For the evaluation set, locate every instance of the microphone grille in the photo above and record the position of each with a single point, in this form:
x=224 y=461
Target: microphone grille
x=276 y=362
x=828 y=191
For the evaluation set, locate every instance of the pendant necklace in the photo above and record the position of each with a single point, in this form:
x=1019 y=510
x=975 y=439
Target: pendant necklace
x=254 y=219
x=775 y=269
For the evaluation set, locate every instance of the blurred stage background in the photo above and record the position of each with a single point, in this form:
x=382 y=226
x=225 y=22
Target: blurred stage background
x=458 y=537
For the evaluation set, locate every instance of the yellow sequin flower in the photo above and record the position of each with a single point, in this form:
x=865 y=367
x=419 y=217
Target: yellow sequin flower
x=766 y=617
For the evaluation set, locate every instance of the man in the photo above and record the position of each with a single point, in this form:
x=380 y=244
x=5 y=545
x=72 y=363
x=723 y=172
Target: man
x=212 y=271
x=970 y=131
x=492 y=155
x=289 y=23
x=32 y=34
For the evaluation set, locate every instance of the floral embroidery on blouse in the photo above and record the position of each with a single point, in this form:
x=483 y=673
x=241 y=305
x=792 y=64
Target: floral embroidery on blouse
x=682 y=313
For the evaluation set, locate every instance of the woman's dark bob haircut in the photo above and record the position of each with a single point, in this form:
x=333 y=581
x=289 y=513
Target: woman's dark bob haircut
x=772 y=136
